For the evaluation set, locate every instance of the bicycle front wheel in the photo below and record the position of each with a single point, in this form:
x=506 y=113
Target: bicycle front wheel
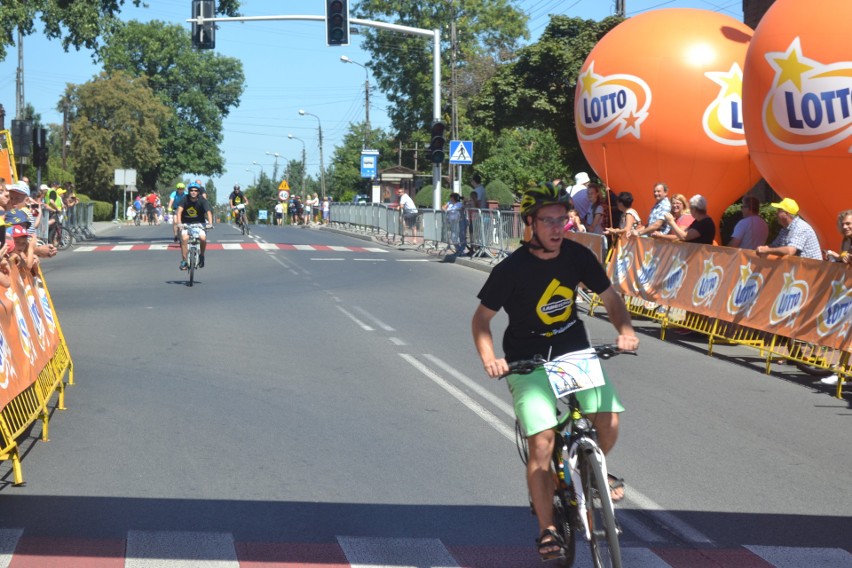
x=193 y=260
x=606 y=550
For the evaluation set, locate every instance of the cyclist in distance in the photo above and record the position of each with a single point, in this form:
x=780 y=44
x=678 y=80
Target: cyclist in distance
x=193 y=209
x=174 y=200
x=536 y=285
x=236 y=198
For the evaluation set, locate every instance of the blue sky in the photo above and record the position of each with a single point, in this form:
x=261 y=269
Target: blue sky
x=287 y=67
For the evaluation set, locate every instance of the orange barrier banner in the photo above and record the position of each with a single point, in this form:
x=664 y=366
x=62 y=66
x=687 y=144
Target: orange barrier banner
x=808 y=300
x=592 y=241
x=28 y=333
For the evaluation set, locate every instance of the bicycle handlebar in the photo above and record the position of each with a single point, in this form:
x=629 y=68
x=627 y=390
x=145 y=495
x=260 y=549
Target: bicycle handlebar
x=527 y=366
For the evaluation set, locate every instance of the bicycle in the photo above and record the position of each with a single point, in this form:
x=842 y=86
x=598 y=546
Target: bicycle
x=62 y=234
x=241 y=218
x=582 y=501
x=193 y=251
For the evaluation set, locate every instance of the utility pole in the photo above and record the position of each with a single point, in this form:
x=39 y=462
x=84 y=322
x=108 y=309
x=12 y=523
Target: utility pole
x=19 y=79
x=64 y=131
x=455 y=172
x=619 y=8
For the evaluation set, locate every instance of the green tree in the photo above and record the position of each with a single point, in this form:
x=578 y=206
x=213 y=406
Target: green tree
x=78 y=24
x=115 y=124
x=200 y=87
x=522 y=157
x=402 y=64
x=344 y=175
x=537 y=89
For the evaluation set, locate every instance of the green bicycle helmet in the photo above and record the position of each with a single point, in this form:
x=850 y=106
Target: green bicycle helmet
x=540 y=196
x=180 y=185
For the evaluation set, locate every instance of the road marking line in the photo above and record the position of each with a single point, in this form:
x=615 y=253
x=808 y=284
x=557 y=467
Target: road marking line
x=86 y=248
x=474 y=386
x=122 y=248
x=789 y=557
x=315 y=258
x=371 y=259
x=303 y=247
x=361 y=324
x=481 y=411
x=232 y=246
x=670 y=521
x=372 y=552
x=8 y=542
x=180 y=550
x=378 y=322
x=412 y=260
x=396 y=341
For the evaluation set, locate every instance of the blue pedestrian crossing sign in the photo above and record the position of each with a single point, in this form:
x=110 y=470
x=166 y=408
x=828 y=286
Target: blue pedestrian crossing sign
x=461 y=152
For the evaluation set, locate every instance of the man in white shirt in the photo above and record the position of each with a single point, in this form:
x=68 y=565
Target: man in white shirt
x=751 y=231
x=579 y=194
x=477 y=197
x=408 y=210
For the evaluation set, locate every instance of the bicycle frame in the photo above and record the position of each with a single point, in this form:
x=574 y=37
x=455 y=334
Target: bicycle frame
x=582 y=500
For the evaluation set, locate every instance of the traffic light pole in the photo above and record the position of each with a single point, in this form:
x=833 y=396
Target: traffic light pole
x=408 y=30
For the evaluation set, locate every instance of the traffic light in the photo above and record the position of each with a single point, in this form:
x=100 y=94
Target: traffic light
x=40 y=148
x=337 y=22
x=22 y=137
x=436 y=148
x=204 y=35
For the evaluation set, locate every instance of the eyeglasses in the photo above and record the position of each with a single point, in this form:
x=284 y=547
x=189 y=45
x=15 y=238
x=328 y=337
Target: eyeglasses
x=553 y=221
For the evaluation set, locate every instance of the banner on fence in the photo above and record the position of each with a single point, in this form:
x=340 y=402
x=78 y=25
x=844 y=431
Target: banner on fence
x=806 y=299
x=29 y=333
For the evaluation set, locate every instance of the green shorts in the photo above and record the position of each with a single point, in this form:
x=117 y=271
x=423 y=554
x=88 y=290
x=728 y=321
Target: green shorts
x=535 y=403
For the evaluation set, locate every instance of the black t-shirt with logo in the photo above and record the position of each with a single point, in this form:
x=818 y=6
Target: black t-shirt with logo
x=236 y=198
x=538 y=296
x=194 y=211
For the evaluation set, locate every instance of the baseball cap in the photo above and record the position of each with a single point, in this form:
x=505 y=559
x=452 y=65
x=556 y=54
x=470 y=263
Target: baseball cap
x=581 y=177
x=20 y=187
x=18 y=231
x=60 y=191
x=43 y=187
x=788 y=205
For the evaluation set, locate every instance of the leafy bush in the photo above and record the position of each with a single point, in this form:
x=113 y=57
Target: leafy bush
x=424 y=196
x=499 y=191
x=103 y=211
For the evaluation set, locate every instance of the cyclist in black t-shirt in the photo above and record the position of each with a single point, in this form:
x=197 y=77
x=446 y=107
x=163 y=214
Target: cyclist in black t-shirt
x=237 y=197
x=193 y=209
x=536 y=286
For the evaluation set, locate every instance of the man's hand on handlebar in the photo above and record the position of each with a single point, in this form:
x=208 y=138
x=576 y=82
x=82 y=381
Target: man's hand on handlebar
x=627 y=342
x=496 y=368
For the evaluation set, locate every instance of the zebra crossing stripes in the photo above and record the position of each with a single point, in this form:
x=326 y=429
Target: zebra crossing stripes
x=176 y=549
x=228 y=246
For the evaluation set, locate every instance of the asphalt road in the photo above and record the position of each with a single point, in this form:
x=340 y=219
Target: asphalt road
x=300 y=393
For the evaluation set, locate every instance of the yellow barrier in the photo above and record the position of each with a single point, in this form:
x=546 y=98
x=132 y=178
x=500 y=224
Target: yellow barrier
x=35 y=360
x=718 y=331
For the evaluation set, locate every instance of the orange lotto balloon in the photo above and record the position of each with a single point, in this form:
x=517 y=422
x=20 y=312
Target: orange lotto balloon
x=797 y=98
x=659 y=99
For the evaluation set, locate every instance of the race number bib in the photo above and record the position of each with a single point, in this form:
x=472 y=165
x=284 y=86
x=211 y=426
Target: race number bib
x=575 y=371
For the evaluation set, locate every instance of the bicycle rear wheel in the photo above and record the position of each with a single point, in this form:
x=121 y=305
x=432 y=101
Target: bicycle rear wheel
x=66 y=239
x=193 y=260
x=606 y=550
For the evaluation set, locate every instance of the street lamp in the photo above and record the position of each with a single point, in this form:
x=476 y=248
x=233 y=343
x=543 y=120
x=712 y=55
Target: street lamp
x=276 y=155
x=322 y=165
x=345 y=59
x=291 y=137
